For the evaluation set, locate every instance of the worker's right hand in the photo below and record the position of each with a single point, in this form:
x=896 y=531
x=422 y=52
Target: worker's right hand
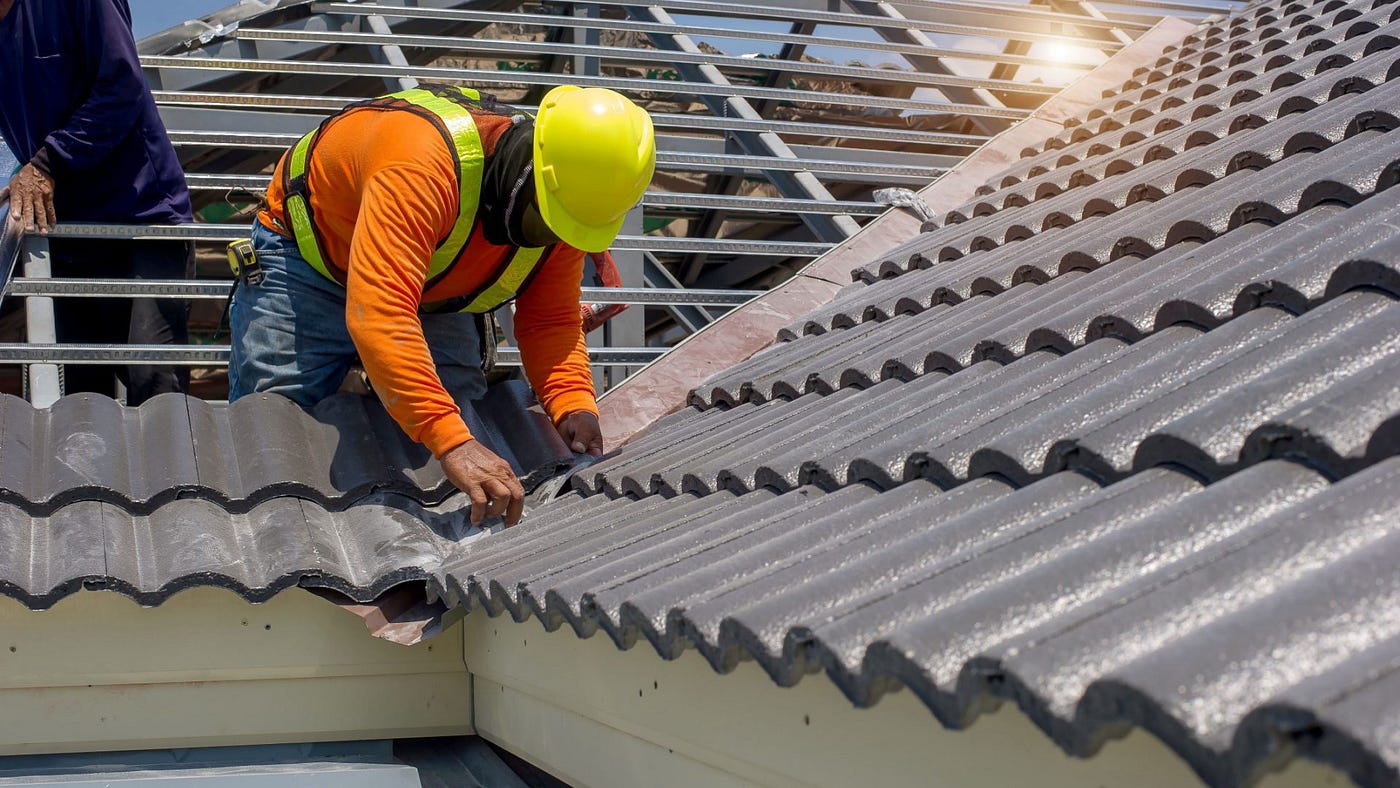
x=488 y=481
x=30 y=194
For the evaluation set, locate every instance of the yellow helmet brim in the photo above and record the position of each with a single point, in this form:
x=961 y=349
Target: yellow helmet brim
x=575 y=233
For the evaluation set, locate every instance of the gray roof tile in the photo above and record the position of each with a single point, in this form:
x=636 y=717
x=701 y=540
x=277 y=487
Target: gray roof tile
x=88 y=447
x=1345 y=172
x=1178 y=396
x=379 y=542
x=1118 y=445
x=946 y=591
x=1214 y=105
x=1118 y=442
x=1319 y=254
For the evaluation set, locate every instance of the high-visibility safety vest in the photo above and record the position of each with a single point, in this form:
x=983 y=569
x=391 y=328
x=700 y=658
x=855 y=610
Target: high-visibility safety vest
x=449 y=109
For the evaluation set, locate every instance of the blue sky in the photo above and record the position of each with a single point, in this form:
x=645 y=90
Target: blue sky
x=153 y=16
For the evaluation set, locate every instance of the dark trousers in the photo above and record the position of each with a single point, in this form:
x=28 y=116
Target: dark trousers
x=120 y=321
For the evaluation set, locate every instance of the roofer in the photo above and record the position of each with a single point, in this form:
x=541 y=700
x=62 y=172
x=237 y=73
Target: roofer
x=75 y=108
x=399 y=221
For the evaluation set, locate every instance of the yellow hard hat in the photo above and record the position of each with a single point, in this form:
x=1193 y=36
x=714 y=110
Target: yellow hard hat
x=595 y=152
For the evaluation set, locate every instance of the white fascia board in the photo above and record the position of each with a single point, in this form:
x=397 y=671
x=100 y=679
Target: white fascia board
x=596 y=716
x=206 y=668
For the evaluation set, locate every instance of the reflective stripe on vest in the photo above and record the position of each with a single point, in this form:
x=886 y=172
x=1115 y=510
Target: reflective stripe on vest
x=456 y=123
x=508 y=283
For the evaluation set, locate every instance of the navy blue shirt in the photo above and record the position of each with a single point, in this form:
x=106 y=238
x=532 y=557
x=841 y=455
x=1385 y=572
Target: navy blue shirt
x=71 y=86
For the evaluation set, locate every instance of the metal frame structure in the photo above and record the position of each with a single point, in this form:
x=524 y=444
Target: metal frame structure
x=766 y=158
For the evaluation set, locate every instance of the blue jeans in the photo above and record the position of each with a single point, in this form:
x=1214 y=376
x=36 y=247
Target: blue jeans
x=289 y=334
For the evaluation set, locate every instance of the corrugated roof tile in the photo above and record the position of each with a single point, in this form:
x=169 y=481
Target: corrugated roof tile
x=1117 y=442
x=88 y=447
x=1058 y=456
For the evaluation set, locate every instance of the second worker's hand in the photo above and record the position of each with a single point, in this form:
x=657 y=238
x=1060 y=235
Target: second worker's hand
x=488 y=481
x=30 y=195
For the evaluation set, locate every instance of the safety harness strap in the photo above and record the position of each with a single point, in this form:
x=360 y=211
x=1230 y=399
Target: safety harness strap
x=507 y=283
x=456 y=121
x=297 y=201
x=449 y=109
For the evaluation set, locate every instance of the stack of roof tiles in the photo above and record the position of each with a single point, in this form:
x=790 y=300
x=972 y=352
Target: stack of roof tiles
x=1115 y=441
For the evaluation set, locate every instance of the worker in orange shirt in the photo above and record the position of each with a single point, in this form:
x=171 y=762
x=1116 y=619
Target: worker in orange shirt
x=399 y=220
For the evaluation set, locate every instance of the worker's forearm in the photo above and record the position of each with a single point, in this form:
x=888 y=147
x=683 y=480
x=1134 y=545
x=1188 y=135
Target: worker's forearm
x=389 y=338
x=549 y=331
x=407 y=383
x=445 y=433
x=556 y=363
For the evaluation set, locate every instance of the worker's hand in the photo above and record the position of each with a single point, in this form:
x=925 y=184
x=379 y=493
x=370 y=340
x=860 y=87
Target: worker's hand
x=581 y=431
x=487 y=479
x=30 y=195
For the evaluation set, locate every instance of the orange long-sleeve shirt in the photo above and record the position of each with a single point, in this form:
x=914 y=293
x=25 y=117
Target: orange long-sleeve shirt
x=384 y=193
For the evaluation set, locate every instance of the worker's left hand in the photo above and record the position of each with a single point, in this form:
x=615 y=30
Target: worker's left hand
x=582 y=432
x=30 y=195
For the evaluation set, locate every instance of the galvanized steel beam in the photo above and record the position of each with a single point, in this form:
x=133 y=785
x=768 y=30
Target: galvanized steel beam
x=1203 y=8
x=1006 y=21
x=216 y=355
x=690 y=317
x=253 y=183
x=977 y=96
x=212 y=290
x=236 y=110
x=755 y=166
x=11 y=248
x=802 y=185
x=493 y=77
x=712 y=223
x=1089 y=10
x=389 y=53
x=1006 y=24
x=549 y=20
x=233 y=232
x=585 y=38
x=43 y=382
x=919 y=9
x=594 y=52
